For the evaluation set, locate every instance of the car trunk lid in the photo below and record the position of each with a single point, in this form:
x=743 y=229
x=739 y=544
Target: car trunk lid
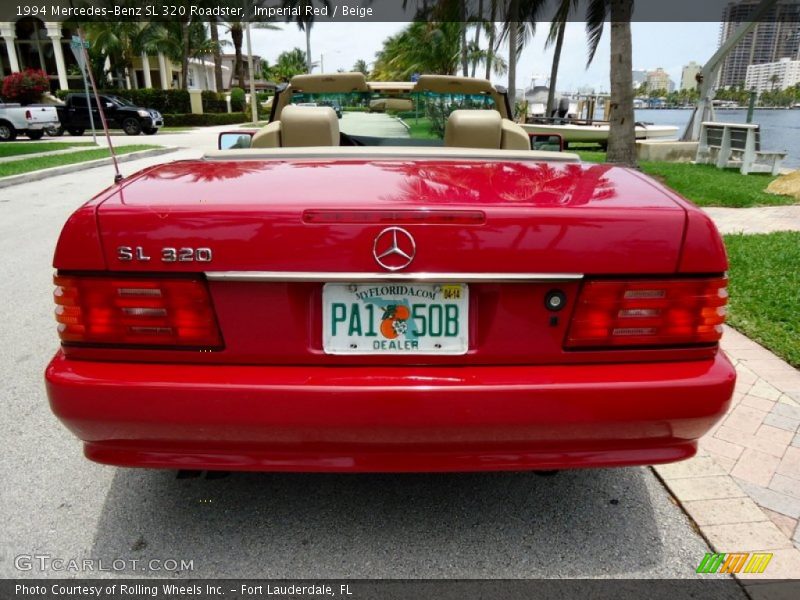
x=531 y=216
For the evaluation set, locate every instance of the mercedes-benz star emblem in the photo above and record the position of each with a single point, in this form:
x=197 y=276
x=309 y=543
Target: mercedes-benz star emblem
x=394 y=248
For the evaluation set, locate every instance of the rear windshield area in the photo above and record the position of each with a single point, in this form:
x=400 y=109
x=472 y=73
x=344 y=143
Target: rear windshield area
x=418 y=117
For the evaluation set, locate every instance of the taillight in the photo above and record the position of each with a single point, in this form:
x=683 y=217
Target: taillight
x=665 y=312
x=28 y=115
x=135 y=311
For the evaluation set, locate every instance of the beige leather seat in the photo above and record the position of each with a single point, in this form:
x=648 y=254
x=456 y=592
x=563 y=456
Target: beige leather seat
x=484 y=129
x=300 y=126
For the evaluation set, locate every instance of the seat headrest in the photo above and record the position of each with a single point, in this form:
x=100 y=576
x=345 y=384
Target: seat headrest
x=309 y=126
x=473 y=129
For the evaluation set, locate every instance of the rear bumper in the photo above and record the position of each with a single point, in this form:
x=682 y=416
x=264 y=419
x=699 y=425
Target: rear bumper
x=388 y=419
x=39 y=125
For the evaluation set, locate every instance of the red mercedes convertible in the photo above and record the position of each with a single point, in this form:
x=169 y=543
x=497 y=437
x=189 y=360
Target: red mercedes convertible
x=411 y=287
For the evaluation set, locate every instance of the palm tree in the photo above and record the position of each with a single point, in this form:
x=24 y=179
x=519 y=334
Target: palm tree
x=622 y=134
x=120 y=42
x=186 y=48
x=422 y=47
x=213 y=28
x=492 y=30
x=557 y=28
x=305 y=22
x=519 y=27
x=462 y=13
x=179 y=41
x=361 y=66
x=236 y=31
x=289 y=64
x=479 y=55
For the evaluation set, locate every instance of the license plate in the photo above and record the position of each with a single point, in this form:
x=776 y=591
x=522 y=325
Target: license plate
x=395 y=318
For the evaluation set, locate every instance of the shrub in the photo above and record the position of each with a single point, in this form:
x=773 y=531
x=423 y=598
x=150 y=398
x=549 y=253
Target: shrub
x=264 y=96
x=237 y=99
x=214 y=102
x=206 y=119
x=25 y=86
x=164 y=101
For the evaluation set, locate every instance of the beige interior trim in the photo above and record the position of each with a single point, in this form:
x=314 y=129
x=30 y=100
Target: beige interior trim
x=381 y=152
x=335 y=83
x=268 y=136
x=384 y=86
x=309 y=126
x=514 y=136
x=449 y=84
x=473 y=129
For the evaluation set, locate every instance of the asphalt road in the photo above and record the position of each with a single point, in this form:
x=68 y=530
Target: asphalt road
x=589 y=523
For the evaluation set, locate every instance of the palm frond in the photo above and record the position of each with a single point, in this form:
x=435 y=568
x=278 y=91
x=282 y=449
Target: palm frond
x=596 y=14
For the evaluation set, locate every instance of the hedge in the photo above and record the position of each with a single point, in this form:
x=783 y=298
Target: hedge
x=164 y=101
x=214 y=102
x=264 y=96
x=237 y=99
x=190 y=120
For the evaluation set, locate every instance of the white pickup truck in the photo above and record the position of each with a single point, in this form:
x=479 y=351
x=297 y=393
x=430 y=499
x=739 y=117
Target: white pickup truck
x=31 y=120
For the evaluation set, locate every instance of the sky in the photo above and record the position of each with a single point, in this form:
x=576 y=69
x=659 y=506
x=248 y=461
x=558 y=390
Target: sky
x=666 y=45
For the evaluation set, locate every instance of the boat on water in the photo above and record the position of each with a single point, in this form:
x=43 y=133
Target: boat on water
x=597 y=131
x=574 y=119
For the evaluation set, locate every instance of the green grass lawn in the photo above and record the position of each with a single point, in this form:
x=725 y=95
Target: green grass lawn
x=45 y=162
x=764 y=288
x=420 y=128
x=705 y=185
x=175 y=129
x=20 y=148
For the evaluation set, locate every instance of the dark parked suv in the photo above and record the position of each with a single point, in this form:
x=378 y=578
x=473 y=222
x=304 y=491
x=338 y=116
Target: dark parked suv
x=120 y=113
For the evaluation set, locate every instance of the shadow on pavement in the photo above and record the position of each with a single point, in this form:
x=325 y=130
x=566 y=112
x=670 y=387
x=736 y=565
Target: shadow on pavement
x=514 y=525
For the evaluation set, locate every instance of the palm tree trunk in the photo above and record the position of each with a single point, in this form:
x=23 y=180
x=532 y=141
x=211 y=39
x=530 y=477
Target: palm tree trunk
x=130 y=72
x=490 y=49
x=513 y=31
x=309 y=66
x=238 y=63
x=218 y=83
x=477 y=40
x=462 y=8
x=622 y=134
x=186 y=50
x=551 y=94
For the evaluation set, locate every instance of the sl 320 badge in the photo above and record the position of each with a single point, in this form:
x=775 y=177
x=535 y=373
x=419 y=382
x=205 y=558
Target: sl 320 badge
x=168 y=255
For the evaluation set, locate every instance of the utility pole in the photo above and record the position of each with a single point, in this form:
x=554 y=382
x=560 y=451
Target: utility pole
x=253 y=99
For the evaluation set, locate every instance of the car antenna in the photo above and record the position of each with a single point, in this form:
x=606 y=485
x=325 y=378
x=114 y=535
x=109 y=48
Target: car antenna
x=117 y=174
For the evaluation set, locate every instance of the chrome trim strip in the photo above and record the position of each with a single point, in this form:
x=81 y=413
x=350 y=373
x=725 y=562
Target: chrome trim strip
x=357 y=277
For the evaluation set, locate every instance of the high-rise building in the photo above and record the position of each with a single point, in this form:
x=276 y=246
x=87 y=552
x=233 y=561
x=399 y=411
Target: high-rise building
x=776 y=36
x=773 y=76
x=688 y=75
x=659 y=80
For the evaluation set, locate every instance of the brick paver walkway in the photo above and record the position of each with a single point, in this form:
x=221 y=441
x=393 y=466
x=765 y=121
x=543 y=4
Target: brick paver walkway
x=743 y=487
x=758 y=442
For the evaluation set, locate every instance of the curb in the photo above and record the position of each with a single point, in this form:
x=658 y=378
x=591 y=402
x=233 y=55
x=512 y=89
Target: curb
x=80 y=166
